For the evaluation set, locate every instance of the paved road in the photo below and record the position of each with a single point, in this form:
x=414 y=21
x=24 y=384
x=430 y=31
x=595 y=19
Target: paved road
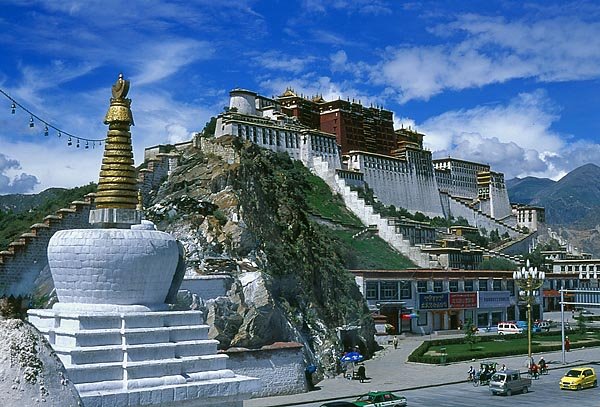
x=545 y=390
x=389 y=370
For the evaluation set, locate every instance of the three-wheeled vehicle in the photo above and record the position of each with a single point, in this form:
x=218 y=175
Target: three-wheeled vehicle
x=485 y=373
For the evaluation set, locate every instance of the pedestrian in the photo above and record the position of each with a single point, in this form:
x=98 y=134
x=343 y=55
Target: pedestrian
x=503 y=368
x=362 y=374
x=395 y=342
x=308 y=373
x=567 y=344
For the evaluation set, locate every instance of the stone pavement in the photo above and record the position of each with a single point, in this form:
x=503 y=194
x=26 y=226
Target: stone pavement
x=389 y=370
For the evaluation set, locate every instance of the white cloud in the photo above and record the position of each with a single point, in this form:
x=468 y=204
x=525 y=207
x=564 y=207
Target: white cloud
x=373 y=7
x=339 y=61
x=160 y=60
x=404 y=123
x=492 y=50
x=515 y=138
x=14 y=184
x=310 y=85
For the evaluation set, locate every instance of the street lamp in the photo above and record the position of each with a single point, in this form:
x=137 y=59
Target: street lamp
x=529 y=279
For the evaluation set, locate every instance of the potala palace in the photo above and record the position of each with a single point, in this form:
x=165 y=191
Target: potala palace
x=350 y=145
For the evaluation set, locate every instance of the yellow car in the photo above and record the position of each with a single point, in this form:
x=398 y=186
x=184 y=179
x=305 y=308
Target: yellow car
x=578 y=378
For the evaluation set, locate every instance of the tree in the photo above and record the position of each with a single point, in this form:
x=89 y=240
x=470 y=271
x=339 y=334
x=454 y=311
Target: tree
x=471 y=334
x=209 y=127
x=497 y=263
x=494 y=236
x=581 y=323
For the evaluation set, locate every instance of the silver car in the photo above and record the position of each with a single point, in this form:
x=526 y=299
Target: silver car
x=509 y=382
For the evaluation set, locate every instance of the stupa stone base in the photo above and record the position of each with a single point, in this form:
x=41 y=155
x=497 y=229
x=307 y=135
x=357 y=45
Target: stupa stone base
x=113 y=218
x=142 y=358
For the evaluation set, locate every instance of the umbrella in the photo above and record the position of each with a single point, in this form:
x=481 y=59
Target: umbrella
x=352 y=357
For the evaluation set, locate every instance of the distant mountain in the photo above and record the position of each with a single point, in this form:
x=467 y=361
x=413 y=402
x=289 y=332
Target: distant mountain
x=572 y=204
x=18 y=203
x=573 y=200
x=524 y=190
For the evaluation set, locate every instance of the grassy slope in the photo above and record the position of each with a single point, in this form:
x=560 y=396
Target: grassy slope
x=365 y=253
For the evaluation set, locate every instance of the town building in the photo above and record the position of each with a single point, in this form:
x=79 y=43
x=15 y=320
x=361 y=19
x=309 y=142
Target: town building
x=531 y=217
x=423 y=301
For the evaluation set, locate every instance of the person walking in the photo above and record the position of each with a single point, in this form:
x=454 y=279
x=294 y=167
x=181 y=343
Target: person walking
x=362 y=374
x=395 y=342
x=567 y=344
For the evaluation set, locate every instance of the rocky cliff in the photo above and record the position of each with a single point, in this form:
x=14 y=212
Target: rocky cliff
x=30 y=372
x=244 y=211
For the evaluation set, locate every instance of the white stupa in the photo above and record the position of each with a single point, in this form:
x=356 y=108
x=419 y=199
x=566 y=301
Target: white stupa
x=111 y=327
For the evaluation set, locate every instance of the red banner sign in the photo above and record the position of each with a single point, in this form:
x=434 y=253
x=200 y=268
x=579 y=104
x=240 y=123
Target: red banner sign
x=463 y=300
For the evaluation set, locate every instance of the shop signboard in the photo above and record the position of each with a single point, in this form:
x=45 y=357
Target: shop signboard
x=493 y=299
x=463 y=300
x=433 y=301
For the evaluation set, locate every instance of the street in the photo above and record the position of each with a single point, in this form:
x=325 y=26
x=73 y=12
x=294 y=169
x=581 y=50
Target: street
x=543 y=390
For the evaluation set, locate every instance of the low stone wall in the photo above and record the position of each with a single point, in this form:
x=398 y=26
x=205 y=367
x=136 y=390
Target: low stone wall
x=207 y=287
x=280 y=367
x=26 y=257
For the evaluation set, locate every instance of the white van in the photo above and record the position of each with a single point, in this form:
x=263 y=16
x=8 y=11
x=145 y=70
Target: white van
x=509 y=328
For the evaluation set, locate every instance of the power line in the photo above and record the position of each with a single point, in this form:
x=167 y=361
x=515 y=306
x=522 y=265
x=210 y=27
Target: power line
x=47 y=125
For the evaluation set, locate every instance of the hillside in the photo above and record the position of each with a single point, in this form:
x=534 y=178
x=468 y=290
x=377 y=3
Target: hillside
x=574 y=199
x=524 y=190
x=25 y=210
x=572 y=204
x=267 y=219
x=18 y=203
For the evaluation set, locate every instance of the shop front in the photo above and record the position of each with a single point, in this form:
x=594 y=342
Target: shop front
x=433 y=312
x=491 y=307
x=461 y=308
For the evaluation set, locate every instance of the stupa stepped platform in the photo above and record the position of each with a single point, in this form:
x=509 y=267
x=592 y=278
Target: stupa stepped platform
x=137 y=358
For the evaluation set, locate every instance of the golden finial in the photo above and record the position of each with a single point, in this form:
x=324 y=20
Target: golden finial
x=117 y=187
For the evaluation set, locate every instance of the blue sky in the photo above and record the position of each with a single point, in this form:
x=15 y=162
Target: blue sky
x=510 y=83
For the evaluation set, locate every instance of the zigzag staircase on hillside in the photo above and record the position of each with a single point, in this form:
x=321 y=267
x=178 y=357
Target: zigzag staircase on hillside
x=385 y=227
x=25 y=257
x=479 y=212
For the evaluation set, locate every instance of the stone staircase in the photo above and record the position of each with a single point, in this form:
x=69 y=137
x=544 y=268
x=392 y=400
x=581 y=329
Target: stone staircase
x=385 y=227
x=368 y=230
x=130 y=359
x=25 y=257
x=517 y=259
x=477 y=212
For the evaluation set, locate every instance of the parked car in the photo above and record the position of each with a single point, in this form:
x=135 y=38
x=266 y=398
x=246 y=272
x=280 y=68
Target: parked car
x=523 y=326
x=381 y=399
x=543 y=325
x=579 y=378
x=506 y=328
x=509 y=382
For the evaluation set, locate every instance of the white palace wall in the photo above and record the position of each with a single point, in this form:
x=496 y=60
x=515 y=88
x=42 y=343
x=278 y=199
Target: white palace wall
x=409 y=182
x=398 y=182
x=500 y=204
x=299 y=144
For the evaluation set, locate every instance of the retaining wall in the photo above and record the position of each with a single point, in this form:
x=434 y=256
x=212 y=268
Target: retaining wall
x=280 y=367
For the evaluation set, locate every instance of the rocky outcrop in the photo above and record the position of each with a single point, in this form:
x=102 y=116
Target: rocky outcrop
x=233 y=216
x=30 y=372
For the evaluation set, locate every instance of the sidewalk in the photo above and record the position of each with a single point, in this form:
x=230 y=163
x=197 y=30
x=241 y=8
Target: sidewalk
x=389 y=370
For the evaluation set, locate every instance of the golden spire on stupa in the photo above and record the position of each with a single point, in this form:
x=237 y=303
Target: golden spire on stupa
x=118 y=185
